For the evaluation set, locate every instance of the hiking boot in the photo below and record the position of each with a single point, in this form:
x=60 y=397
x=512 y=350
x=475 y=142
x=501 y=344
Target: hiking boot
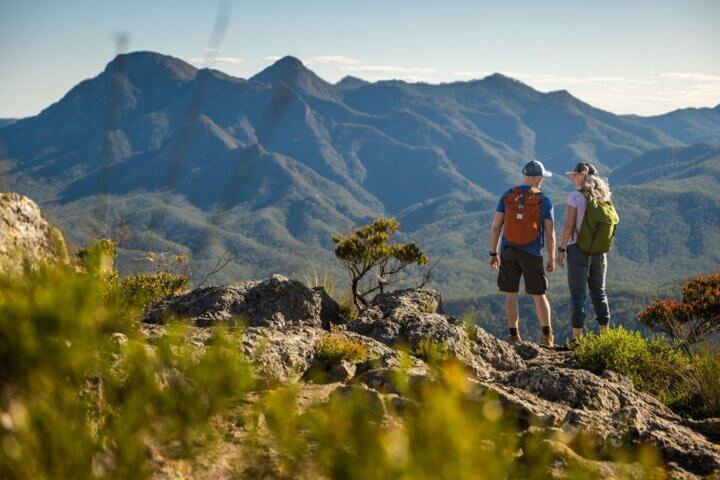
x=513 y=339
x=571 y=344
x=548 y=341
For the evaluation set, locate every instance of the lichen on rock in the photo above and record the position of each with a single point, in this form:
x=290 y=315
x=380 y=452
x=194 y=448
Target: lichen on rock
x=26 y=236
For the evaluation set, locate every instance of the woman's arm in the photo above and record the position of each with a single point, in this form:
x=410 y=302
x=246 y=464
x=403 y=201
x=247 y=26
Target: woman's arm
x=568 y=227
x=566 y=233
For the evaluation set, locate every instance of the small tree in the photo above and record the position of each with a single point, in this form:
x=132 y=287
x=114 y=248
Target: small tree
x=100 y=257
x=694 y=318
x=368 y=249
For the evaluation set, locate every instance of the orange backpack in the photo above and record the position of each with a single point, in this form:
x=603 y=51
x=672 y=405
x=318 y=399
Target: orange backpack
x=522 y=215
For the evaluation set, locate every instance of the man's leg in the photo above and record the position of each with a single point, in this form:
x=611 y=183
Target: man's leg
x=509 y=283
x=536 y=284
x=512 y=313
x=542 y=308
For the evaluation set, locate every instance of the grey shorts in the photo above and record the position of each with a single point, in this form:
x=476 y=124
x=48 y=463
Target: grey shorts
x=515 y=263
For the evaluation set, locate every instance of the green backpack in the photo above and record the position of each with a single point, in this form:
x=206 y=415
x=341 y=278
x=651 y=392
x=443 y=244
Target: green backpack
x=598 y=227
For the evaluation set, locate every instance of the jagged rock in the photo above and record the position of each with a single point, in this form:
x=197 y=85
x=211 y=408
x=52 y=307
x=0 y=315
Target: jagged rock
x=277 y=302
x=342 y=372
x=534 y=354
x=576 y=388
x=618 y=414
x=565 y=460
x=371 y=397
x=415 y=316
x=496 y=352
x=388 y=313
x=280 y=356
x=710 y=427
x=527 y=407
x=26 y=235
x=385 y=379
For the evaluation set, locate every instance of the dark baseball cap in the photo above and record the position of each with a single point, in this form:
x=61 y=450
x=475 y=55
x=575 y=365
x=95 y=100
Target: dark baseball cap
x=535 y=169
x=584 y=167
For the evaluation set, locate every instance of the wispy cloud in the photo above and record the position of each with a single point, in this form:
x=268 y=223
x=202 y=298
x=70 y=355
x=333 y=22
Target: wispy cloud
x=552 y=78
x=576 y=80
x=332 y=60
x=387 y=69
x=699 y=77
x=273 y=58
x=472 y=74
x=204 y=62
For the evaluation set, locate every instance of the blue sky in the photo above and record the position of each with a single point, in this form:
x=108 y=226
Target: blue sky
x=631 y=56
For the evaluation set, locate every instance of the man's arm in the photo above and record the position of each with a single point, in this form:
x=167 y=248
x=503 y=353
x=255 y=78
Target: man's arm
x=495 y=232
x=550 y=242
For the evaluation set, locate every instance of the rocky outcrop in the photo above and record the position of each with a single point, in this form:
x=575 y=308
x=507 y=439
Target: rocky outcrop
x=276 y=303
x=535 y=385
x=615 y=413
x=25 y=235
x=413 y=317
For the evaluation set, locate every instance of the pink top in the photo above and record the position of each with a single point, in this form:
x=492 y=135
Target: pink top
x=578 y=201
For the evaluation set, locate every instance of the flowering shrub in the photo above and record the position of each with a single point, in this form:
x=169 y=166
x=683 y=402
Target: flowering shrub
x=692 y=319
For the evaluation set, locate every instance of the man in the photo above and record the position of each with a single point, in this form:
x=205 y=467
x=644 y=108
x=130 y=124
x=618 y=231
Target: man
x=524 y=217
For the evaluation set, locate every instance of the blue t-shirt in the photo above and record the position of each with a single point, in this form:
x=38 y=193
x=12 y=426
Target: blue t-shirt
x=546 y=213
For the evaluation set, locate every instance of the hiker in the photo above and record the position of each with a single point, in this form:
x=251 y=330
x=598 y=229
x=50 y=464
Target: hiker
x=524 y=216
x=586 y=238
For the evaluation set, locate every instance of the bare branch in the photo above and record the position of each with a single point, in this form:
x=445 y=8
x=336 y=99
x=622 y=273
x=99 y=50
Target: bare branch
x=427 y=274
x=222 y=262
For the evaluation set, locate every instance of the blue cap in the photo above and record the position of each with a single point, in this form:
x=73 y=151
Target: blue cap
x=535 y=169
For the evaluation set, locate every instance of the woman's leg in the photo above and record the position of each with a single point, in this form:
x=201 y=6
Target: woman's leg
x=577 y=274
x=596 y=282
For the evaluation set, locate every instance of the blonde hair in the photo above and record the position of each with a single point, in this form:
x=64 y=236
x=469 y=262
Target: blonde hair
x=596 y=187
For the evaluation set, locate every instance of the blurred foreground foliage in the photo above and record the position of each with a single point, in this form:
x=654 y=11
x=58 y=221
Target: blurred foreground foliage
x=84 y=394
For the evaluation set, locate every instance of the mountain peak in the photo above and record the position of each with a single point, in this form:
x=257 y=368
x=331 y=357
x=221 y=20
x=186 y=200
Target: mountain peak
x=293 y=73
x=501 y=78
x=288 y=61
x=153 y=63
x=350 y=83
x=283 y=69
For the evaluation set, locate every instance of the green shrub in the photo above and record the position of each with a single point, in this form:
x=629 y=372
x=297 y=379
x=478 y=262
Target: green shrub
x=146 y=289
x=704 y=381
x=333 y=348
x=469 y=321
x=616 y=349
x=653 y=365
x=98 y=257
x=432 y=351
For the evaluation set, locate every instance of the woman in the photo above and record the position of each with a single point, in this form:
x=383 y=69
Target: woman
x=584 y=271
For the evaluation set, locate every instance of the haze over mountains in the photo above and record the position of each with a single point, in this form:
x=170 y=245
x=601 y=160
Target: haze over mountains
x=270 y=167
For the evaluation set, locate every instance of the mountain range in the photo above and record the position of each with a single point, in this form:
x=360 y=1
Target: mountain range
x=199 y=162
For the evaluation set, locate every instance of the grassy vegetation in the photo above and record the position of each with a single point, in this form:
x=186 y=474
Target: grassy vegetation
x=433 y=352
x=83 y=395
x=687 y=383
x=333 y=348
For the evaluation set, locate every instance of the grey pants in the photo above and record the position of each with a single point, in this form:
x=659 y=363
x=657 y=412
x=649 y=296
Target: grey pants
x=587 y=271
